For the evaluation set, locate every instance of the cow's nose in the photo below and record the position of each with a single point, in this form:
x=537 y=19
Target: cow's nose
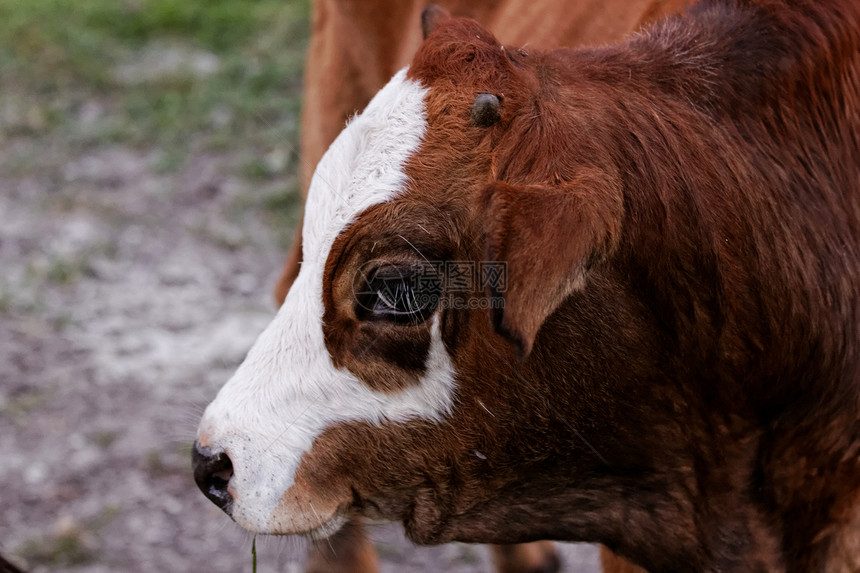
x=212 y=472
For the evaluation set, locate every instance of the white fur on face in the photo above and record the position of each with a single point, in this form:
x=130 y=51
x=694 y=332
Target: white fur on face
x=287 y=391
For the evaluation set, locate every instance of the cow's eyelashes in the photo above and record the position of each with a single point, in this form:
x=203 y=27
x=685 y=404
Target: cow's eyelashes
x=403 y=295
x=395 y=298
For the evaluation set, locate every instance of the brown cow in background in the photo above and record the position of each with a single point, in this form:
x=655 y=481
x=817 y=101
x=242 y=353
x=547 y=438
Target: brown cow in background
x=355 y=48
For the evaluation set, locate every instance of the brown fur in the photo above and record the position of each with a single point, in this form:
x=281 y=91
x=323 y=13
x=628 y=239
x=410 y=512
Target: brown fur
x=691 y=399
x=359 y=45
x=611 y=563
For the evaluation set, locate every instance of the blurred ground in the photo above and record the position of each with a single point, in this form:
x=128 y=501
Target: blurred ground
x=147 y=191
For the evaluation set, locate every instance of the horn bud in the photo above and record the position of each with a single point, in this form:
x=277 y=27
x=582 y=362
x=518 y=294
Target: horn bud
x=485 y=110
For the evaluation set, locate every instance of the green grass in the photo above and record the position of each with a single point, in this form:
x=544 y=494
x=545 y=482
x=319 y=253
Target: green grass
x=76 y=543
x=67 y=549
x=62 y=59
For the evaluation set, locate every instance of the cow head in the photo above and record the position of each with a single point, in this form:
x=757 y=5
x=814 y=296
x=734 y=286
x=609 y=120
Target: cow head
x=409 y=373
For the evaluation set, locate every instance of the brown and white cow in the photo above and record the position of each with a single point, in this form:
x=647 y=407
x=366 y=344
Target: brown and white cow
x=357 y=47
x=672 y=365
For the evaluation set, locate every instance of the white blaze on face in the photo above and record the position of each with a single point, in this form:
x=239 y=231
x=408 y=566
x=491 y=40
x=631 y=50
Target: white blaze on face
x=287 y=391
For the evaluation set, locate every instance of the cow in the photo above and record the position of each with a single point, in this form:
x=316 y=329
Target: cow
x=358 y=46
x=669 y=361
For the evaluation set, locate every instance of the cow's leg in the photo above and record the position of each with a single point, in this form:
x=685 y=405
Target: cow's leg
x=347 y=551
x=537 y=557
x=612 y=563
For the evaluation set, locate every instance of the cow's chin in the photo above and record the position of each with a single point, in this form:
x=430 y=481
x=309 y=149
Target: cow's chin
x=324 y=530
x=319 y=528
x=327 y=529
x=295 y=513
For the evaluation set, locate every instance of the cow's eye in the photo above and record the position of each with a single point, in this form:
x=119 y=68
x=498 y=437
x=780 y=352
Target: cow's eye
x=401 y=294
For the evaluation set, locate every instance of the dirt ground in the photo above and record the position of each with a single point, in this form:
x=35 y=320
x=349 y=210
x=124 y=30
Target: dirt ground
x=128 y=295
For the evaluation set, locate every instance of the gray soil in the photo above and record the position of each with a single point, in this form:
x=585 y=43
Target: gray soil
x=128 y=294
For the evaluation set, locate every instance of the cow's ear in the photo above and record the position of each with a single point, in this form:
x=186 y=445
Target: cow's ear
x=546 y=238
x=431 y=17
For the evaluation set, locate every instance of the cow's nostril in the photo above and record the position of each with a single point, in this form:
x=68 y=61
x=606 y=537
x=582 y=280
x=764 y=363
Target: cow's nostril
x=212 y=472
